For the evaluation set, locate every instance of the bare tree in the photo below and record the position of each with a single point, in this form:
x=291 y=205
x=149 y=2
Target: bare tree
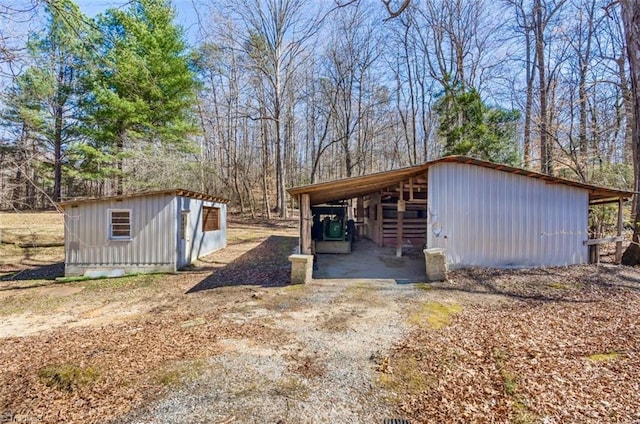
x=631 y=21
x=393 y=8
x=16 y=20
x=543 y=12
x=406 y=70
x=524 y=25
x=273 y=33
x=351 y=54
x=611 y=48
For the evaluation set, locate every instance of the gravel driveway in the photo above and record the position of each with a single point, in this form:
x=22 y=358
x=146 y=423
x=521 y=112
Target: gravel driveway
x=322 y=370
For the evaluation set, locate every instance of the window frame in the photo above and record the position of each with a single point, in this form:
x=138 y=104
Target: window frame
x=184 y=225
x=205 y=215
x=110 y=223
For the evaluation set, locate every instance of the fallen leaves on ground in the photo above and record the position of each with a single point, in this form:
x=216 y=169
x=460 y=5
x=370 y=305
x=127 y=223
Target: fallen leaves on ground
x=125 y=362
x=563 y=347
x=93 y=374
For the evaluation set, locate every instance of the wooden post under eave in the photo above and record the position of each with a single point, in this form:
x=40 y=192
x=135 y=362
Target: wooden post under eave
x=400 y=235
x=359 y=209
x=411 y=188
x=400 y=214
x=619 y=232
x=305 y=224
x=380 y=235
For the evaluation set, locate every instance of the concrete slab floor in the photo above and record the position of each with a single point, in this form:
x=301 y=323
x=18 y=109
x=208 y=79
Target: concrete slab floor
x=368 y=261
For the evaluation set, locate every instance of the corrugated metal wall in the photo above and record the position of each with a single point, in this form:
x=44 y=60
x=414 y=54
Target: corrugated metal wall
x=200 y=243
x=485 y=217
x=154 y=228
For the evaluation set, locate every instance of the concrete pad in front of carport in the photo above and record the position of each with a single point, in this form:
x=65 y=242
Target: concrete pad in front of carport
x=368 y=261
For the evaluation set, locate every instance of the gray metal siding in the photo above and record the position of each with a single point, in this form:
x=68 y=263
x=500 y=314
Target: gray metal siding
x=200 y=243
x=153 y=229
x=485 y=217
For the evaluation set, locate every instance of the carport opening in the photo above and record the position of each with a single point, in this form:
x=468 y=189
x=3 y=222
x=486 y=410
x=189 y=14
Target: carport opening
x=380 y=234
x=368 y=261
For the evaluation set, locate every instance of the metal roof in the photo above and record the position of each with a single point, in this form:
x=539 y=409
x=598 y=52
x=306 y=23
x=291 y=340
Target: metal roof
x=348 y=188
x=175 y=191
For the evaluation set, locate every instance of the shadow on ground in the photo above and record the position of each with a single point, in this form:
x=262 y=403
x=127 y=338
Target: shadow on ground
x=42 y=272
x=266 y=265
x=368 y=261
x=576 y=283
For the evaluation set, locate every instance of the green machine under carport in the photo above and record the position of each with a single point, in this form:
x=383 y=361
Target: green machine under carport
x=331 y=231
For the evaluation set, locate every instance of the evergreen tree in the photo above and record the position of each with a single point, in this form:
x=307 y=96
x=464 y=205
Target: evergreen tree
x=43 y=103
x=469 y=127
x=143 y=88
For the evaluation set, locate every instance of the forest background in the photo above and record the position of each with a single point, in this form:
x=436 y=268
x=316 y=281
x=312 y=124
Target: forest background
x=267 y=94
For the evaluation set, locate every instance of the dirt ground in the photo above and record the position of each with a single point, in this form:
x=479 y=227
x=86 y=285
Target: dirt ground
x=230 y=341
x=29 y=227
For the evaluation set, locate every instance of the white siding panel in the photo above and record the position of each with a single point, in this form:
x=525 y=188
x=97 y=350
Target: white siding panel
x=485 y=217
x=200 y=243
x=153 y=226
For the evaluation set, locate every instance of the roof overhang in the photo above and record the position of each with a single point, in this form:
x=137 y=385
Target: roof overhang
x=348 y=188
x=170 y=192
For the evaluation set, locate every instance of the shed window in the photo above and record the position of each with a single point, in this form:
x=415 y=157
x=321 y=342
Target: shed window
x=120 y=224
x=184 y=225
x=210 y=219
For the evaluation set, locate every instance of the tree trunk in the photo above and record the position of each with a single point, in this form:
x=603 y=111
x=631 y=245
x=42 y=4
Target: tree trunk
x=627 y=97
x=280 y=148
x=584 y=58
x=120 y=164
x=631 y=22
x=265 y=165
x=545 y=148
x=582 y=125
x=412 y=136
x=529 y=101
x=57 y=155
x=58 y=117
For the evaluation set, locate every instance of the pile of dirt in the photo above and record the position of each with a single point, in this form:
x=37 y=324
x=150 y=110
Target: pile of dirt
x=563 y=347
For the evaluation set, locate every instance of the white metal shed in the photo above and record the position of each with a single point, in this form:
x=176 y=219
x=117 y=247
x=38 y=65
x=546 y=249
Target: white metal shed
x=481 y=213
x=487 y=218
x=154 y=231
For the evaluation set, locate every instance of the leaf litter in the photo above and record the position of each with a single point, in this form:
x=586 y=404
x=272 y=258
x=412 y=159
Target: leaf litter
x=42 y=376
x=562 y=346
x=554 y=345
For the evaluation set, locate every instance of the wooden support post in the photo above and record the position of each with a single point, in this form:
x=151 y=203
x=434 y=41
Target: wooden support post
x=400 y=235
x=380 y=235
x=359 y=219
x=619 y=232
x=411 y=188
x=400 y=212
x=305 y=224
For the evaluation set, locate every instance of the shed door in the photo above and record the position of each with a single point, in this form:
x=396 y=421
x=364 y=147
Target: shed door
x=185 y=239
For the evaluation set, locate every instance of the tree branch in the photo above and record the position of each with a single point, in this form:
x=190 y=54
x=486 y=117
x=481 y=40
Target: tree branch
x=397 y=12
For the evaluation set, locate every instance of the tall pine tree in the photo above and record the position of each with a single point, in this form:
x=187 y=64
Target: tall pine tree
x=143 y=88
x=43 y=103
x=469 y=127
